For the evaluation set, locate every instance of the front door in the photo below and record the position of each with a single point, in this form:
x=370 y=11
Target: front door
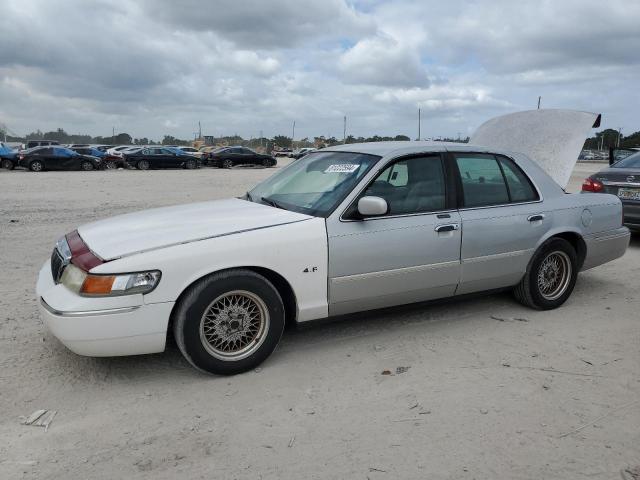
x=411 y=254
x=502 y=221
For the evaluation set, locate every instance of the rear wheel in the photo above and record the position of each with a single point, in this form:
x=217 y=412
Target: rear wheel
x=227 y=164
x=86 y=166
x=266 y=162
x=550 y=277
x=109 y=165
x=36 y=166
x=229 y=322
x=143 y=165
x=190 y=164
x=8 y=164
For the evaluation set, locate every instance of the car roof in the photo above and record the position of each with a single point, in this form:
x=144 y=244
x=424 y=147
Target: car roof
x=385 y=149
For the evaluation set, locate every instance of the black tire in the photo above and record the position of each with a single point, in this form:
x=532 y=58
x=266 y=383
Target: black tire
x=190 y=164
x=143 y=165
x=531 y=293
x=36 y=166
x=8 y=164
x=266 y=162
x=86 y=166
x=109 y=165
x=227 y=163
x=189 y=321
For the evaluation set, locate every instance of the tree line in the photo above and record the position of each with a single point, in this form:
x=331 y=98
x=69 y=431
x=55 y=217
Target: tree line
x=606 y=138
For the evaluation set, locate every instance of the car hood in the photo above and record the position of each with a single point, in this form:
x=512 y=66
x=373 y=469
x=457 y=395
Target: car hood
x=146 y=230
x=551 y=138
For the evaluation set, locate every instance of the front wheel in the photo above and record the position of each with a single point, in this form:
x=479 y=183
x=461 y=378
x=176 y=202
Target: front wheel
x=227 y=164
x=190 y=164
x=8 y=164
x=550 y=277
x=229 y=322
x=110 y=165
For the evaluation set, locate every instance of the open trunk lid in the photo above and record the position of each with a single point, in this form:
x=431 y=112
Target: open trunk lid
x=551 y=138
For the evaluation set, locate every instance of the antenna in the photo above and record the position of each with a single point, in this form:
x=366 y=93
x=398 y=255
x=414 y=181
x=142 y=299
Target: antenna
x=539 y=98
x=419 y=123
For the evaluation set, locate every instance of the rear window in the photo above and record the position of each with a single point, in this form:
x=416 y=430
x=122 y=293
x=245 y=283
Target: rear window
x=493 y=180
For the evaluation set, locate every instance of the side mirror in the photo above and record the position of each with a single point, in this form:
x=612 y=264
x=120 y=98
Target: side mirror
x=372 y=206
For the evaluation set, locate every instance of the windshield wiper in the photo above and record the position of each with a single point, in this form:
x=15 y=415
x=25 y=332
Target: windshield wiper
x=270 y=201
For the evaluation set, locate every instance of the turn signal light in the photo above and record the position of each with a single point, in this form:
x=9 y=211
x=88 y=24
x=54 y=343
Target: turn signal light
x=591 y=185
x=98 y=284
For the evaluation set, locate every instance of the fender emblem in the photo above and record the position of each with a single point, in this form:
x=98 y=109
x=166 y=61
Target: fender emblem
x=310 y=269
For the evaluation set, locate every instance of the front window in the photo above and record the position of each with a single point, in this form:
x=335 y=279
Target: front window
x=315 y=184
x=632 y=161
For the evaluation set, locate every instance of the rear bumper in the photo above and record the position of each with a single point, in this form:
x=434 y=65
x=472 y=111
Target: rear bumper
x=631 y=214
x=606 y=246
x=99 y=328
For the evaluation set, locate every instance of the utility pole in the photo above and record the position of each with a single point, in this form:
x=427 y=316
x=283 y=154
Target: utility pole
x=113 y=134
x=419 y=123
x=344 y=131
x=199 y=131
x=619 y=135
x=539 y=98
x=261 y=136
x=293 y=134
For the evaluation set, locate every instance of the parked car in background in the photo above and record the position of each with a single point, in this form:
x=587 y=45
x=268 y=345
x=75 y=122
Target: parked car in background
x=347 y=229
x=301 y=152
x=283 y=152
x=191 y=151
x=228 y=157
x=117 y=151
x=159 y=157
x=89 y=151
x=56 y=158
x=623 y=180
x=116 y=160
x=40 y=143
x=8 y=157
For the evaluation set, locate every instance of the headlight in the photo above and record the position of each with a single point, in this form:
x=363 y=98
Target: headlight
x=89 y=284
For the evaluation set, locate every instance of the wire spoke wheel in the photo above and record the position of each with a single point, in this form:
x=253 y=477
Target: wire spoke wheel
x=554 y=275
x=234 y=325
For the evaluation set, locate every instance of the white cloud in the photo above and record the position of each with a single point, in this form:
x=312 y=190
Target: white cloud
x=92 y=64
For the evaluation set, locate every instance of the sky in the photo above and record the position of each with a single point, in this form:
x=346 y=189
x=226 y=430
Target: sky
x=157 y=67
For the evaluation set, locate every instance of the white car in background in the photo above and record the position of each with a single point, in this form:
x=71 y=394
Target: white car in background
x=345 y=229
x=191 y=151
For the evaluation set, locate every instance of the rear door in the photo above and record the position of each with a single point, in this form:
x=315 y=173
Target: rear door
x=503 y=217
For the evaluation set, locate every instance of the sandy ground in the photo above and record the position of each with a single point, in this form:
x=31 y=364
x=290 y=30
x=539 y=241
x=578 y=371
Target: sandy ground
x=486 y=396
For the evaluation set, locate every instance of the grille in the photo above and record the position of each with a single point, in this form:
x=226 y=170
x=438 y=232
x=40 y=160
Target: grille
x=57 y=265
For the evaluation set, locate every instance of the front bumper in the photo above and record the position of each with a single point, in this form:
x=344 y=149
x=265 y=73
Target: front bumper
x=102 y=327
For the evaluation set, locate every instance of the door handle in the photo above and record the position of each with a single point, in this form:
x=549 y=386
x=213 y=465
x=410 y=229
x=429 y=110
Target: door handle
x=449 y=227
x=535 y=218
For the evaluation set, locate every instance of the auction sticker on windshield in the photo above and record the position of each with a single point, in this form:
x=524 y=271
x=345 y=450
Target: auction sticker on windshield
x=342 y=168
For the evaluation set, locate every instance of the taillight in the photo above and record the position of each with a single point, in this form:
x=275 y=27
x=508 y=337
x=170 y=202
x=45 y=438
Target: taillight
x=591 y=185
x=81 y=256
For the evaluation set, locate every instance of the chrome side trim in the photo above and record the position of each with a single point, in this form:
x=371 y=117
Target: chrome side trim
x=620 y=184
x=497 y=256
x=87 y=313
x=395 y=271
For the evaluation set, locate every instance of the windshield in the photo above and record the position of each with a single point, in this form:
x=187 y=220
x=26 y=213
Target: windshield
x=632 y=161
x=315 y=184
